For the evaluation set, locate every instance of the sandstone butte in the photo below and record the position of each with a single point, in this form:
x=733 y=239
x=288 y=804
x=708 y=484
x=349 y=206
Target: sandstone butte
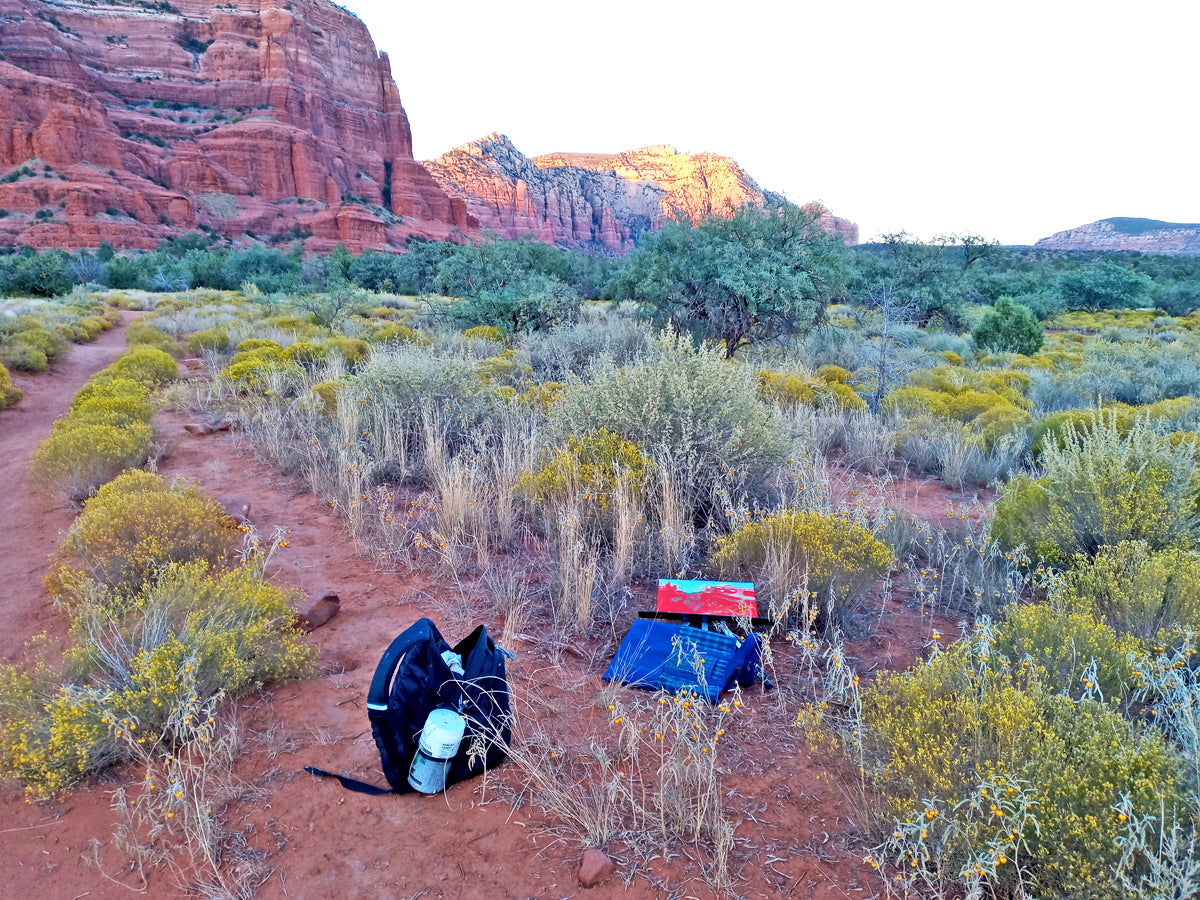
x=584 y=199
x=132 y=120
x=136 y=120
x=1146 y=235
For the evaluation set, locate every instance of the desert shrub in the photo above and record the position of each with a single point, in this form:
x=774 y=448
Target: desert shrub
x=997 y=421
x=23 y=356
x=408 y=377
x=78 y=458
x=504 y=369
x=539 y=397
x=785 y=389
x=1101 y=488
x=591 y=465
x=10 y=394
x=214 y=339
x=327 y=392
x=149 y=365
x=486 y=333
x=50 y=343
x=250 y=369
x=250 y=345
x=353 y=350
x=575 y=349
x=795 y=550
x=306 y=354
x=833 y=374
x=686 y=404
x=189 y=636
x=118 y=401
x=1152 y=595
x=827 y=390
x=143 y=334
x=1009 y=327
x=90 y=327
x=395 y=333
x=1071 y=651
x=138 y=524
x=1165 y=415
x=969 y=729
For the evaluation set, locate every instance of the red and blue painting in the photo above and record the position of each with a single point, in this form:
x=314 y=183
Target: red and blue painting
x=707 y=598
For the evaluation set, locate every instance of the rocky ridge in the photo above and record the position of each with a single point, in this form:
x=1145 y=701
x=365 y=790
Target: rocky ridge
x=590 y=199
x=1146 y=235
x=132 y=120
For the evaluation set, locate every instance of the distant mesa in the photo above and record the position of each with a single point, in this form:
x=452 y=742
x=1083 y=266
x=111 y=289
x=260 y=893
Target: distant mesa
x=591 y=199
x=131 y=122
x=1120 y=233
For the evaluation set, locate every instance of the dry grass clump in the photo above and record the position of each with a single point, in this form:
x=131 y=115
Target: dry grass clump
x=653 y=780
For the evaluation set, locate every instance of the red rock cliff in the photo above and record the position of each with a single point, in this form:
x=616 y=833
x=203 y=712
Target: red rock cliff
x=133 y=120
x=587 y=199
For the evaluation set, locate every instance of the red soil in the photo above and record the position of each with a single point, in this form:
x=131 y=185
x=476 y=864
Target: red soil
x=797 y=833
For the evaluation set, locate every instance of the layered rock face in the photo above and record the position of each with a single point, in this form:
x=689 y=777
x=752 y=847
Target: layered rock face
x=586 y=200
x=1146 y=235
x=133 y=120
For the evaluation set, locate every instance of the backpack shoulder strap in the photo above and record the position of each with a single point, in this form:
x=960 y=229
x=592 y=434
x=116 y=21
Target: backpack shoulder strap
x=350 y=784
x=377 y=696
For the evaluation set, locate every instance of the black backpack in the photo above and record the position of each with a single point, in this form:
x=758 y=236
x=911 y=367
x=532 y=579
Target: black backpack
x=412 y=680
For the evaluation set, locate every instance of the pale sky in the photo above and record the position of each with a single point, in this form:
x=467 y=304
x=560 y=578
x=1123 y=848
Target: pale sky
x=1009 y=119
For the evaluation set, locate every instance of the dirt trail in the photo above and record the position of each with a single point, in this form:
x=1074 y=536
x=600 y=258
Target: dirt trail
x=33 y=522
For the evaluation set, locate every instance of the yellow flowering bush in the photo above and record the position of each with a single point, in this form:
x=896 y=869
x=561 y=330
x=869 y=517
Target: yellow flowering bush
x=136 y=525
x=970 y=716
x=143 y=334
x=1053 y=428
x=394 y=333
x=10 y=394
x=306 y=353
x=148 y=365
x=486 y=333
x=503 y=370
x=1102 y=487
x=78 y=458
x=588 y=468
x=353 y=350
x=1071 y=651
x=540 y=396
x=828 y=388
x=782 y=551
x=327 y=393
x=1152 y=595
x=189 y=637
x=249 y=367
x=214 y=339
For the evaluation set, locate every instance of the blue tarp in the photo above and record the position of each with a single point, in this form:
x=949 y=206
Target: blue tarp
x=674 y=656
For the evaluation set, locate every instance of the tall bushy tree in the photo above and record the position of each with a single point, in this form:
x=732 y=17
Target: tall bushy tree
x=1010 y=327
x=752 y=277
x=1103 y=286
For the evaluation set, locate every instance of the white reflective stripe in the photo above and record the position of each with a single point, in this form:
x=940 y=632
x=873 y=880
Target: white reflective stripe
x=376 y=706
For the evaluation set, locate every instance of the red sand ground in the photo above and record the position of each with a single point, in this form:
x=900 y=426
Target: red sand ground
x=795 y=836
